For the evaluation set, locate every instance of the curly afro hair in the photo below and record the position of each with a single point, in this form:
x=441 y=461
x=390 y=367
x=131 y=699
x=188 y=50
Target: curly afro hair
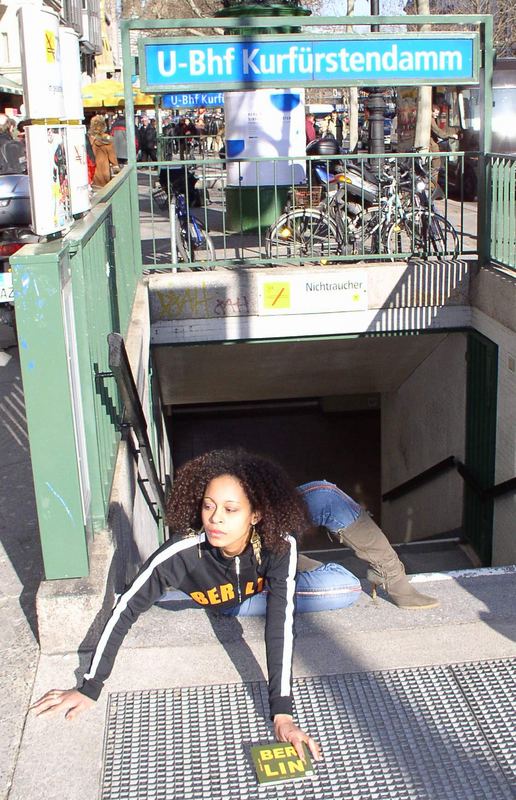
x=266 y=485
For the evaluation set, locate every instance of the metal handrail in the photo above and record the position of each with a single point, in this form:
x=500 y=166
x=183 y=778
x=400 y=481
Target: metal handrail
x=451 y=462
x=133 y=415
x=418 y=480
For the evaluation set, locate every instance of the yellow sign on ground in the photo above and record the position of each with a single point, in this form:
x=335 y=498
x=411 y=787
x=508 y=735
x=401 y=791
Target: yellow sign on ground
x=276 y=294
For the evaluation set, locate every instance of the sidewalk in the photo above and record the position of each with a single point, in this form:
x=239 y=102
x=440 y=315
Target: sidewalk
x=60 y=760
x=20 y=562
x=54 y=760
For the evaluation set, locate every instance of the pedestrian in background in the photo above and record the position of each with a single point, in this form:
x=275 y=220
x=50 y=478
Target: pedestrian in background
x=147 y=140
x=106 y=163
x=311 y=133
x=119 y=134
x=438 y=135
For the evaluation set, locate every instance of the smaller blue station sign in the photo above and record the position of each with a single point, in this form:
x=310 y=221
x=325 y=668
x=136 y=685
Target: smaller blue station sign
x=193 y=100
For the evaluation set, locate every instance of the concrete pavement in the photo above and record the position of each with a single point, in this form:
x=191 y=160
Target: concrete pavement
x=166 y=649
x=56 y=760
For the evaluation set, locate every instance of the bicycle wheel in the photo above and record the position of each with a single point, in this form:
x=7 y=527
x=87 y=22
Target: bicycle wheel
x=403 y=238
x=364 y=234
x=423 y=234
x=201 y=245
x=304 y=233
x=195 y=246
x=442 y=236
x=182 y=248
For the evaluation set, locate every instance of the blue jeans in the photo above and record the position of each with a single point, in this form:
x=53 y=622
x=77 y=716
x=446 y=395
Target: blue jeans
x=328 y=505
x=325 y=588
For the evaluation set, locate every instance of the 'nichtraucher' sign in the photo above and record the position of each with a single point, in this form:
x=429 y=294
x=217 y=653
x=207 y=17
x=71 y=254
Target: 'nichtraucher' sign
x=381 y=59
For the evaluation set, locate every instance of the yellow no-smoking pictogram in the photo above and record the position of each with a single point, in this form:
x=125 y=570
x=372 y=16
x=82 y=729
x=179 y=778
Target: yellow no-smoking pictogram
x=50 y=46
x=276 y=294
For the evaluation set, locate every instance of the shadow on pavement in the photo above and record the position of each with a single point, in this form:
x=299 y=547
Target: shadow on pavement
x=19 y=533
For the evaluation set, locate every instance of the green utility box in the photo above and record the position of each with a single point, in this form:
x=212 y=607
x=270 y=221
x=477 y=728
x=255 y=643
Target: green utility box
x=253 y=208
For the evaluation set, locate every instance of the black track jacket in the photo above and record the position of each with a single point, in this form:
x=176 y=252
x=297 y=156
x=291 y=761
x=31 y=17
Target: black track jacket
x=212 y=580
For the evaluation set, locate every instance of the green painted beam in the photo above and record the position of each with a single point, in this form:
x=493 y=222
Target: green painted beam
x=306 y=22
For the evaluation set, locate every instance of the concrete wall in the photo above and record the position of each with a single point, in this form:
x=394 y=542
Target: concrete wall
x=71 y=613
x=235 y=305
x=423 y=422
x=494 y=314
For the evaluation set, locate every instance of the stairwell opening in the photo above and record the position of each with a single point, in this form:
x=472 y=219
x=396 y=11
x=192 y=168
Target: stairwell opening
x=364 y=412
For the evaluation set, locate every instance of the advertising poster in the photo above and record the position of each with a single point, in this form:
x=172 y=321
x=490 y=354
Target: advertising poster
x=41 y=63
x=71 y=59
x=49 y=183
x=265 y=123
x=75 y=140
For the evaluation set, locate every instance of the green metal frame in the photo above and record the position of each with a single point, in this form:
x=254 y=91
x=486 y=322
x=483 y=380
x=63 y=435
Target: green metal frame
x=480 y=457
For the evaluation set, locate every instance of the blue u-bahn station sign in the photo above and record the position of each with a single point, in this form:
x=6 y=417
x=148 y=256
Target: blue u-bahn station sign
x=192 y=100
x=273 y=61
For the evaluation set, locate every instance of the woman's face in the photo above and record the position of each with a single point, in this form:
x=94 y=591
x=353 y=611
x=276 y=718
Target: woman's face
x=227 y=515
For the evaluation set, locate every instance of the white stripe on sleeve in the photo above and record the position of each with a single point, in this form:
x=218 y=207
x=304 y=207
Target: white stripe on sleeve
x=288 y=629
x=139 y=581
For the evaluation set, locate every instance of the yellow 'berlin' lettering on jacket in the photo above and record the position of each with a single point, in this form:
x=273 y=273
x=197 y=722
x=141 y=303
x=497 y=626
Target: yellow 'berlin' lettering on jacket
x=224 y=592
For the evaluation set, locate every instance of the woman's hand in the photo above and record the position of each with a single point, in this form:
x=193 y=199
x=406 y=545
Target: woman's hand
x=286 y=730
x=71 y=701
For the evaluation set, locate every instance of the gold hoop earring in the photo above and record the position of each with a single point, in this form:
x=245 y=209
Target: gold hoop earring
x=256 y=544
x=191 y=534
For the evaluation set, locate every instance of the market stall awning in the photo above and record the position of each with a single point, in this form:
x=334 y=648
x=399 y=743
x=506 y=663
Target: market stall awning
x=110 y=94
x=8 y=86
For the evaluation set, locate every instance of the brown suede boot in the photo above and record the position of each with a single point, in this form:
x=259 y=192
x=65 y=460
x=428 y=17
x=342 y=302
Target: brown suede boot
x=306 y=564
x=370 y=544
x=401 y=592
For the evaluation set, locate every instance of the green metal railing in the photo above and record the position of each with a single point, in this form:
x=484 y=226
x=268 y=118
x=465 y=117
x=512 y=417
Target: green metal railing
x=69 y=295
x=241 y=220
x=502 y=174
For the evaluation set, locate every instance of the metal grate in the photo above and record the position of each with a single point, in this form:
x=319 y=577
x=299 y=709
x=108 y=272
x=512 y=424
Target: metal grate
x=433 y=733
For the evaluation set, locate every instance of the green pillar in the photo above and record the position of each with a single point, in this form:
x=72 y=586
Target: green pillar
x=42 y=299
x=274 y=8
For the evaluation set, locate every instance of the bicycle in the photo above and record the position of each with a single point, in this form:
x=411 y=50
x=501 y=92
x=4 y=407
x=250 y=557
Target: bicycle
x=193 y=243
x=421 y=227
x=362 y=216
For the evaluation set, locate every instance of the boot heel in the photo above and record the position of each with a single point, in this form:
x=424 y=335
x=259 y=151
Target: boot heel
x=376 y=580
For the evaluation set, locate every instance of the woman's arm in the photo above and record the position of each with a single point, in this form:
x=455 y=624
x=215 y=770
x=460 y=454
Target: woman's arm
x=150 y=583
x=279 y=641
